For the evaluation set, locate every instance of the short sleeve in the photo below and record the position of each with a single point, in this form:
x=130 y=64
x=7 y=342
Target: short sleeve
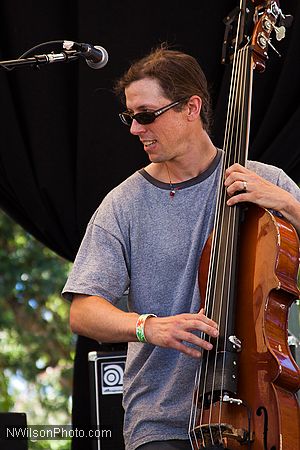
x=101 y=266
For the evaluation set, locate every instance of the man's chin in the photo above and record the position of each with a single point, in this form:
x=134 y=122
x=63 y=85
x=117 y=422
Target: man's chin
x=155 y=158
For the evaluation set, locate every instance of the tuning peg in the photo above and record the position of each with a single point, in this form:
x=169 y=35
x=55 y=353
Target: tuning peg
x=280 y=32
x=273 y=48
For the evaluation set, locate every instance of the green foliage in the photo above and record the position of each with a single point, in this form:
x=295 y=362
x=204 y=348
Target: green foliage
x=36 y=344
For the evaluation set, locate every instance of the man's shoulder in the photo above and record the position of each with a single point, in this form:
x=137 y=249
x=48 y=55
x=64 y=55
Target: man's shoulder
x=276 y=176
x=121 y=200
x=127 y=189
x=267 y=171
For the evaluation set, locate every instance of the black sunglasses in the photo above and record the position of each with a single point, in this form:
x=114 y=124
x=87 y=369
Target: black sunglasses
x=146 y=117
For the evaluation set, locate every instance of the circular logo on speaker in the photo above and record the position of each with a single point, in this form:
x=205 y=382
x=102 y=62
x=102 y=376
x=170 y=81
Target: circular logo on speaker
x=112 y=377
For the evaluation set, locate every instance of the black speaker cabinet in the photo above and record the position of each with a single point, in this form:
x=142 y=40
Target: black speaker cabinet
x=106 y=385
x=13 y=431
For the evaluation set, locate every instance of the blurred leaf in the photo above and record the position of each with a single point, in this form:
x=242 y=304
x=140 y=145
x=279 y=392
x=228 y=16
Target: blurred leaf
x=37 y=347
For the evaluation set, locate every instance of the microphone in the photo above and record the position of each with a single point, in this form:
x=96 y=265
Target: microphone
x=95 y=56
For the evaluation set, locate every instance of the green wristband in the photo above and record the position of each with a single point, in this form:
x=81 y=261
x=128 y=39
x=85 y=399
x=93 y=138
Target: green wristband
x=140 y=327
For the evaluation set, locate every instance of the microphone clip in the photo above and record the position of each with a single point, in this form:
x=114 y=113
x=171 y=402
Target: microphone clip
x=96 y=56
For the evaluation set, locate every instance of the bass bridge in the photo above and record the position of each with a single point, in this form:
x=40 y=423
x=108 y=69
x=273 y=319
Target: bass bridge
x=218 y=434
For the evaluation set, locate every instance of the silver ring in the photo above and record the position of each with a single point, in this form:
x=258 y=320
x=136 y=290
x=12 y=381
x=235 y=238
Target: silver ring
x=244 y=185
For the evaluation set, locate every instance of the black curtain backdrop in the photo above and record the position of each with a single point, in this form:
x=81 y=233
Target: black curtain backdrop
x=62 y=145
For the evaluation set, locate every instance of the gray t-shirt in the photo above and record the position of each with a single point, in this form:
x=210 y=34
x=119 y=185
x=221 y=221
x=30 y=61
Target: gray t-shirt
x=142 y=239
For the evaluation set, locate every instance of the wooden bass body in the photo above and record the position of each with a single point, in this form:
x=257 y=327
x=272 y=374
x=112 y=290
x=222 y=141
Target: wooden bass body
x=267 y=375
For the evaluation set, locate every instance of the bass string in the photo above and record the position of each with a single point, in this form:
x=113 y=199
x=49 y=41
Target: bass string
x=235 y=145
x=194 y=418
x=232 y=117
x=225 y=264
x=211 y=279
x=195 y=400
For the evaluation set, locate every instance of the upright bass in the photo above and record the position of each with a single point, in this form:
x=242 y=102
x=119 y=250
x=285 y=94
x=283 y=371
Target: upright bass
x=245 y=388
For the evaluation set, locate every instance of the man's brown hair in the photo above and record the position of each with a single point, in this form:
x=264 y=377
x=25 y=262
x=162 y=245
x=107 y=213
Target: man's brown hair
x=179 y=75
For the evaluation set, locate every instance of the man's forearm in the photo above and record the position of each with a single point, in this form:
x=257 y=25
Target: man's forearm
x=96 y=318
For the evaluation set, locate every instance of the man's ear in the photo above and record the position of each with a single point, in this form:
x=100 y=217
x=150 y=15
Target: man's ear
x=194 y=107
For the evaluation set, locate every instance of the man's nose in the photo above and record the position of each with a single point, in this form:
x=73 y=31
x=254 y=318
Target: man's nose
x=136 y=128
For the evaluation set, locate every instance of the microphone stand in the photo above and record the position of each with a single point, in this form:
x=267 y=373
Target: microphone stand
x=38 y=60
